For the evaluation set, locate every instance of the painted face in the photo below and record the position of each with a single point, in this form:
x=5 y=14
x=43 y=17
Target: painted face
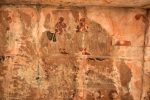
x=137 y=17
x=61 y=19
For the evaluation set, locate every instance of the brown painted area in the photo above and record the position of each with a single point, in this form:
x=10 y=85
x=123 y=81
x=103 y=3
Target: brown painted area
x=87 y=53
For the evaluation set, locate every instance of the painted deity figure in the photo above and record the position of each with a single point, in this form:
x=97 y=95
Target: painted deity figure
x=60 y=28
x=82 y=27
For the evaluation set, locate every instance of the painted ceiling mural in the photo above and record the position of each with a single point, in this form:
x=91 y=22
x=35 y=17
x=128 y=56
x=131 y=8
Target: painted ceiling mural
x=74 y=53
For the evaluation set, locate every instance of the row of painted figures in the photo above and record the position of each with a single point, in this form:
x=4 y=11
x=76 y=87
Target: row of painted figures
x=113 y=95
x=60 y=28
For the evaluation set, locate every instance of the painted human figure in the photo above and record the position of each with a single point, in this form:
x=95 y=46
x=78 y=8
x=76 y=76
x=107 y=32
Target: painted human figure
x=113 y=95
x=60 y=28
x=146 y=21
x=82 y=27
x=9 y=34
x=148 y=95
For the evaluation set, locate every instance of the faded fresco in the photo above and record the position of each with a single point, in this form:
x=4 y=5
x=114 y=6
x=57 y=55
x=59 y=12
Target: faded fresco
x=74 y=53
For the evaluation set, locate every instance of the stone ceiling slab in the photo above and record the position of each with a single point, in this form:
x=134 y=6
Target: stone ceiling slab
x=114 y=3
